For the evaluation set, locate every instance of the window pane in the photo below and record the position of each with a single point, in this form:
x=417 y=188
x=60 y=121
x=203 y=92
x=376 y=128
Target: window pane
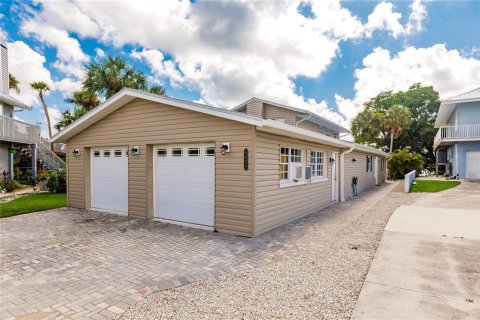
x=210 y=151
x=106 y=153
x=96 y=154
x=161 y=152
x=177 y=152
x=193 y=152
x=117 y=153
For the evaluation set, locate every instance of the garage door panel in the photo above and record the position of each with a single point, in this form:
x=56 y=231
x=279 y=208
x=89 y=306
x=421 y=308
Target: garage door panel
x=472 y=165
x=185 y=185
x=110 y=179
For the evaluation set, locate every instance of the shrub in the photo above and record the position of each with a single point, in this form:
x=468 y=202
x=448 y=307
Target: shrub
x=403 y=161
x=62 y=182
x=9 y=185
x=52 y=182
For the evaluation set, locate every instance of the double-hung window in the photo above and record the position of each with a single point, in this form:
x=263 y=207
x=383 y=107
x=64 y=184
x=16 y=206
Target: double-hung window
x=317 y=162
x=290 y=166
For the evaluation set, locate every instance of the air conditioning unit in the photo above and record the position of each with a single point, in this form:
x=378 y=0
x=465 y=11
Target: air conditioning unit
x=308 y=173
x=297 y=173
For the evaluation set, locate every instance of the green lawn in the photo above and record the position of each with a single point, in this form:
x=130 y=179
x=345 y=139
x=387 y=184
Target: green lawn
x=32 y=203
x=432 y=185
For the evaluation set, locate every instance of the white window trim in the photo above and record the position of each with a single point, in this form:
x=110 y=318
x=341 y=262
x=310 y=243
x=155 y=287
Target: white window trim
x=292 y=166
x=324 y=177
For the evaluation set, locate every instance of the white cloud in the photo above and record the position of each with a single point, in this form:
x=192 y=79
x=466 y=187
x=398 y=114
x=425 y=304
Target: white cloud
x=67 y=86
x=99 y=52
x=55 y=116
x=449 y=72
x=417 y=16
x=228 y=51
x=27 y=66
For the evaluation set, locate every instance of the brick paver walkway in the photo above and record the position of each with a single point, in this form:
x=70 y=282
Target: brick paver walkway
x=69 y=264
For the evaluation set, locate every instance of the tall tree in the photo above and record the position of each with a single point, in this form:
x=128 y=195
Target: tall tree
x=396 y=119
x=13 y=83
x=41 y=87
x=112 y=75
x=157 y=89
x=367 y=127
x=69 y=116
x=423 y=102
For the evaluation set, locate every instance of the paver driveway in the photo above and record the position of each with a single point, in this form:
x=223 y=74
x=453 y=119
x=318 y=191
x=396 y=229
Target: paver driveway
x=72 y=264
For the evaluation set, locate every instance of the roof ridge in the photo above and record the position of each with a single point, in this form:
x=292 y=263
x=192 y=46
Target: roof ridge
x=460 y=96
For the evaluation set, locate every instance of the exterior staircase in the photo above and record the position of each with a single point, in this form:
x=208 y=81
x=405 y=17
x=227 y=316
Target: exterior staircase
x=49 y=158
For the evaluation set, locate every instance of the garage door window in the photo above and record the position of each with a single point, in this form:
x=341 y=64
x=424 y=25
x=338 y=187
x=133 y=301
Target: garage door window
x=210 y=151
x=161 y=152
x=193 y=152
x=117 y=153
x=177 y=152
x=96 y=154
x=106 y=153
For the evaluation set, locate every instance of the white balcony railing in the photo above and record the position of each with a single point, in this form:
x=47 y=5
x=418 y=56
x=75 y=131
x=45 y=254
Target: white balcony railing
x=457 y=133
x=13 y=130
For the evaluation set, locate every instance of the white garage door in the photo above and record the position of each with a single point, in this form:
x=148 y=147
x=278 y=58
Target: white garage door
x=185 y=183
x=110 y=179
x=473 y=165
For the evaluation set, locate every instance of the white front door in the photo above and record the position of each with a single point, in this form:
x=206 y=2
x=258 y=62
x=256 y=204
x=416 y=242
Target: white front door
x=185 y=183
x=109 y=175
x=472 y=165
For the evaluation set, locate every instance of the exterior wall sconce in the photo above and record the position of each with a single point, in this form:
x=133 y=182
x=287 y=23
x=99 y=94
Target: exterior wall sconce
x=225 y=148
x=354 y=160
x=135 y=151
x=331 y=160
x=76 y=153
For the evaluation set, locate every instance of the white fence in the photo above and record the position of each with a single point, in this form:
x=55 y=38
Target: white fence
x=409 y=177
x=460 y=132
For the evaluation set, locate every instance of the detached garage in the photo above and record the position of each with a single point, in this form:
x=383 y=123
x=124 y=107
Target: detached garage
x=153 y=157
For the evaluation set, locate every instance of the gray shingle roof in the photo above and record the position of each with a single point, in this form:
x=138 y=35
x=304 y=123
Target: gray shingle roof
x=472 y=94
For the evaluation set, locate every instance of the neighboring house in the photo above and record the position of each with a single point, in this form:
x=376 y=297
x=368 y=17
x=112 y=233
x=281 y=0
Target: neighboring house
x=457 y=143
x=16 y=134
x=240 y=172
x=13 y=133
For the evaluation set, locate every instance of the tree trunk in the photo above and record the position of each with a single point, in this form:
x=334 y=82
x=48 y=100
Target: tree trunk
x=391 y=140
x=45 y=109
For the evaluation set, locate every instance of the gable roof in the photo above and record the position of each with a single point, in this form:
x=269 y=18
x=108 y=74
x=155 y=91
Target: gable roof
x=315 y=118
x=448 y=105
x=127 y=95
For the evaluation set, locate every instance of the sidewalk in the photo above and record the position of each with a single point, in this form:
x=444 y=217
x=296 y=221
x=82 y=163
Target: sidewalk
x=428 y=262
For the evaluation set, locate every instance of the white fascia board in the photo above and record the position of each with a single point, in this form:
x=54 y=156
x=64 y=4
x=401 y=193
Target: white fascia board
x=444 y=112
x=13 y=102
x=127 y=95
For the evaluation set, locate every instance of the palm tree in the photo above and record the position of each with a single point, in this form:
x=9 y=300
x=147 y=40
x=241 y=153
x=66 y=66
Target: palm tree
x=13 y=83
x=157 y=90
x=85 y=99
x=366 y=126
x=42 y=87
x=111 y=76
x=396 y=119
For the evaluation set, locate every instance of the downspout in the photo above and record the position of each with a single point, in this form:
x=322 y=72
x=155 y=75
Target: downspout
x=342 y=173
x=301 y=120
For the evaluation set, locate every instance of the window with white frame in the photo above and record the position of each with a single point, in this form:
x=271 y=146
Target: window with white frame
x=290 y=167
x=317 y=162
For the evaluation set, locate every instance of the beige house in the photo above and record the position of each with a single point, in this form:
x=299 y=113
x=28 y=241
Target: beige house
x=243 y=171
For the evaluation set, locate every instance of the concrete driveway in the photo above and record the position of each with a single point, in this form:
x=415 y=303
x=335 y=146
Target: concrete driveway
x=69 y=264
x=428 y=262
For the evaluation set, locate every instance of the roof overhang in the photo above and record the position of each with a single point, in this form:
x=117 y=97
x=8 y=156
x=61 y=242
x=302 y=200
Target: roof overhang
x=5 y=98
x=127 y=95
x=447 y=107
x=271 y=126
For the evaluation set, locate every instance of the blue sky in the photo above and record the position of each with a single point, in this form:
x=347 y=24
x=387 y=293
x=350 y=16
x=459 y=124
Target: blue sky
x=326 y=56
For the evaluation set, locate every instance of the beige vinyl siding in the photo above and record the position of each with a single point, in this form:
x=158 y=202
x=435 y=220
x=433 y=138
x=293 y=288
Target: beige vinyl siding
x=308 y=125
x=144 y=123
x=273 y=112
x=275 y=205
x=358 y=168
x=255 y=108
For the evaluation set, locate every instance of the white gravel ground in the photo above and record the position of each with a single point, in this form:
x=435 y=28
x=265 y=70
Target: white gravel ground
x=319 y=282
